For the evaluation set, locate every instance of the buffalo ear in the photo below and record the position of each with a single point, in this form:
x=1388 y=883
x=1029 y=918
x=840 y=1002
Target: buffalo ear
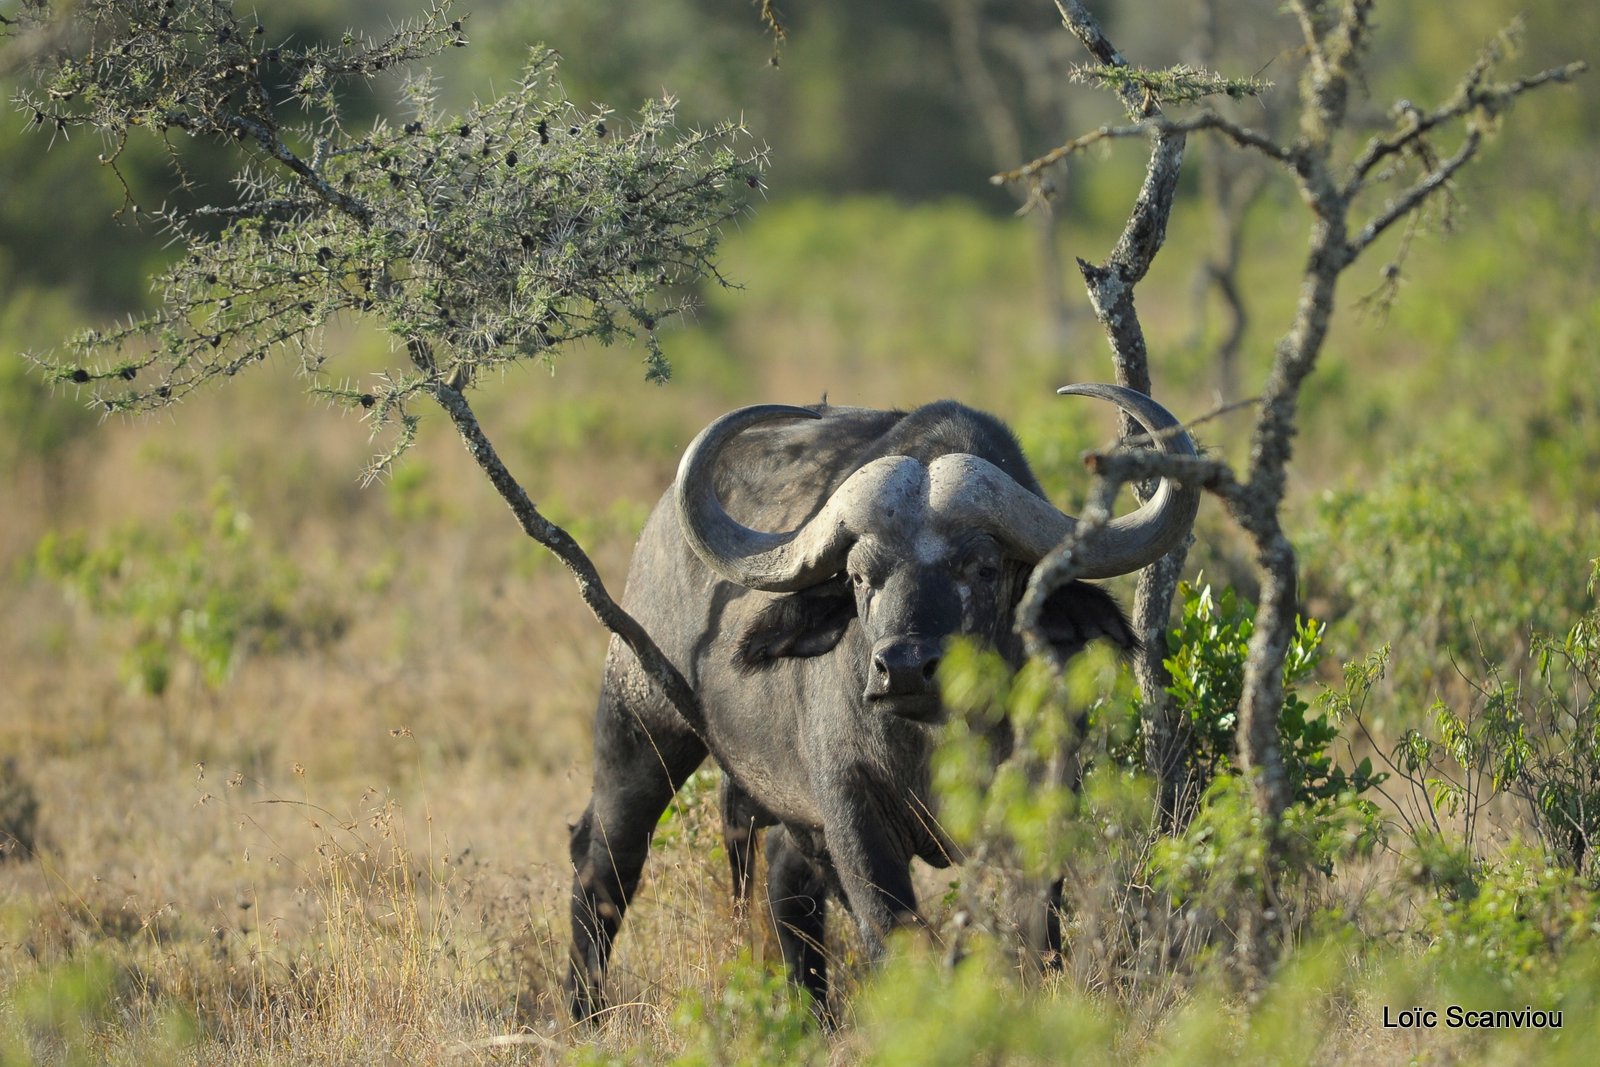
x=1078 y=613
x=808 y=623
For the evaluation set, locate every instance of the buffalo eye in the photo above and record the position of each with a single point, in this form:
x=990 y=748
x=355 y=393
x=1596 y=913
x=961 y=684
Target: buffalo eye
x=988 y=572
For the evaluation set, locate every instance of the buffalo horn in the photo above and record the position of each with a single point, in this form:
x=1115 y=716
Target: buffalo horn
x=960 y=488
x=779 y=562
x=969 y=490
x=1143 y=536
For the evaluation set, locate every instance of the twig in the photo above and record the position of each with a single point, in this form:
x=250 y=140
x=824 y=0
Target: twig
x=467 y=1048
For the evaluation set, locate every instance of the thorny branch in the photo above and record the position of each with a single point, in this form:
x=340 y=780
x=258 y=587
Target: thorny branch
x=1336 y=40
x=1086 y=29
x=473 y=240
x=1111 y=288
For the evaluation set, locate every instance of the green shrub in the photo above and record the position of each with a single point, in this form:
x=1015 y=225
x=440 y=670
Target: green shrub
x=60 y=1015
x=1445 y=571
x=1208 y=649
x=1006 y=769
x=1534 y=740
x=1520 y=917
x=756 y=1017
x=921 y=1013
x=1224 y=863
x=202 y=592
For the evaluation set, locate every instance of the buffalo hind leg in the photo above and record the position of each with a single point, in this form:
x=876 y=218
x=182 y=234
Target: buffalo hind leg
x=636 y=775
x=1041 y=926
x=797 y=894
x=742 y=820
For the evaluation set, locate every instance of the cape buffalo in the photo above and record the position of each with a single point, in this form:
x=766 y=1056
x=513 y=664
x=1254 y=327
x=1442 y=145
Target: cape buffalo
x=813 y=649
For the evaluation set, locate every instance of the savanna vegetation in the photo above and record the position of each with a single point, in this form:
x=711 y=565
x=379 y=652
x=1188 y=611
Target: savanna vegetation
x=286 y=759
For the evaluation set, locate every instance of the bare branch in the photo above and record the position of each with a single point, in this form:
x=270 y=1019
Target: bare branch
x=1111 y=290
x=1408 y=201
x=1154 y=127
x=1136 y=247
x=1123 y=465
x=557 y=540
x=1470 y=96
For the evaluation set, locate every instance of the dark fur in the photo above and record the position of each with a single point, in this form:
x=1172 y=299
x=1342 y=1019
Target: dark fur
x=818 y=711
x=797 y=626
x=1079 y=613
x=812 y=622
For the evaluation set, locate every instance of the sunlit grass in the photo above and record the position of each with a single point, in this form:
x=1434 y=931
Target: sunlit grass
x=353 y=848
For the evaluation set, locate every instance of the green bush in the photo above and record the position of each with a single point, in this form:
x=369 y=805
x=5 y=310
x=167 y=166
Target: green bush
x=756 y=1017
x=1534 y=740
x=1446 y=571
x=920 y=1013
x=1224 y=862
x=1207 y=653
x=202 y=592
x=1006 y=769
x=61 y=1016
x=1521 y=917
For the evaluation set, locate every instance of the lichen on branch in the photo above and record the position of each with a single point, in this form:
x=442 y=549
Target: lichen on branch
x=1181 y=84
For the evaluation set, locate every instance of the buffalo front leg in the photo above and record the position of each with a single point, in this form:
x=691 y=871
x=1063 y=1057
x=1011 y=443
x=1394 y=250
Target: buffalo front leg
x=1041 y=927
x=797 y=895
x=636 y=775
x=873 y=869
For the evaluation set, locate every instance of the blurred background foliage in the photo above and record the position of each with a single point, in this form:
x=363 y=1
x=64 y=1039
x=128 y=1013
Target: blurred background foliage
x=880 y=248
x=212 y=586
x=879 y=265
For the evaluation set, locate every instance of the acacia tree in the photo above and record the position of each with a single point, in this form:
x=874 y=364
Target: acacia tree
x=1356 y=190
x=475 y=241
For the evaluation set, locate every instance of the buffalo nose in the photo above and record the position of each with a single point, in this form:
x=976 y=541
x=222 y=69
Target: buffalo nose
x=903 y=667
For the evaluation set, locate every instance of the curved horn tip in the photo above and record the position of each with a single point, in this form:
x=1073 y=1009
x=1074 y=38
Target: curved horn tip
x=736 y=422
x=757 y=559
x=1166 y=518
x=1101 y=389
x=1145 y=409
x=755 y=413
x=776 y=410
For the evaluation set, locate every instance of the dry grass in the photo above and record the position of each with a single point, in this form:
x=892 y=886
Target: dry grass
x=355 y=851
x=352 y=852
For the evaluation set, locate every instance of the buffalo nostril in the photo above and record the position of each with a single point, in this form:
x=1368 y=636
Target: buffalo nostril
x=904 y=667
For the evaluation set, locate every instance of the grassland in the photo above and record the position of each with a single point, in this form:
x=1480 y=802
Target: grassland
x=303 y=753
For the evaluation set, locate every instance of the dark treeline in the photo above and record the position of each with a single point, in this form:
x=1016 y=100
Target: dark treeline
x=917 y=99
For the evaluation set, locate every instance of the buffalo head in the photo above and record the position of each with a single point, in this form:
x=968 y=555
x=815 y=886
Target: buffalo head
x=917 y=551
